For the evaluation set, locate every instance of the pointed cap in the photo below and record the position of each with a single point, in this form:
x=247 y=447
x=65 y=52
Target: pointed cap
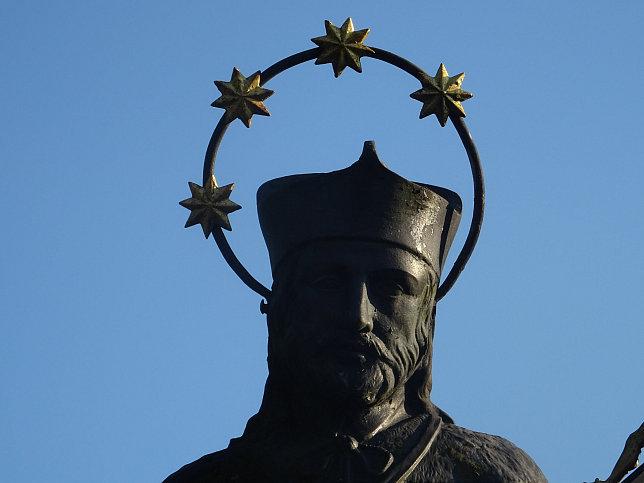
x=365 y=201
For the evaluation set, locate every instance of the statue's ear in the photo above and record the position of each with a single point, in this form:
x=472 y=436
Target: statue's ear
x=263 y=307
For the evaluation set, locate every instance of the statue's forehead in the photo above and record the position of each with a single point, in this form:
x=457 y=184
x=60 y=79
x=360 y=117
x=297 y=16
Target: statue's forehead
x=361 y=255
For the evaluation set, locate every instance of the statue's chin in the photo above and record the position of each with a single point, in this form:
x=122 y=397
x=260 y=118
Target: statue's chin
x=356 y=384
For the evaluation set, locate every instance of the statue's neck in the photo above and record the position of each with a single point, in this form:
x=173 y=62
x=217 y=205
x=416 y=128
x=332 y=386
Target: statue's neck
x=311 y=414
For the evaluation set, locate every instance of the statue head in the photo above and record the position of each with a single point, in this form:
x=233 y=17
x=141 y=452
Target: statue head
x=356 y=256
x=351 y=321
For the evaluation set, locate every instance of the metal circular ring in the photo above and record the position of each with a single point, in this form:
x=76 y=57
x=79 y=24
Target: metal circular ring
x=459 y=124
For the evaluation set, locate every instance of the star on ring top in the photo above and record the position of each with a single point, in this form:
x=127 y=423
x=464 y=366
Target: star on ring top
x=342 y=47
x=441 y=95
x=242 y=97
x=210 y=206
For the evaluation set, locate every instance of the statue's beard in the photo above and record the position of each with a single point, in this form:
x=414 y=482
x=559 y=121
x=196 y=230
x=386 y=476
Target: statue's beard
x=366 y=372
x=353 y=369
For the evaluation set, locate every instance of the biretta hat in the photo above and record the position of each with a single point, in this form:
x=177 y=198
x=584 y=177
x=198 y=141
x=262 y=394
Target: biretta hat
x=365 y=201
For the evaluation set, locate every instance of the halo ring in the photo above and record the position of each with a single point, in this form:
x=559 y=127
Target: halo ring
x=457 y=121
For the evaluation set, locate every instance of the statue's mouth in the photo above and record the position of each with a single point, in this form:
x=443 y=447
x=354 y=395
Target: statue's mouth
x=352 y=351
x=352 y=357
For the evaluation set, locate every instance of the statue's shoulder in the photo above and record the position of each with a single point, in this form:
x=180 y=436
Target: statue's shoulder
x=459 y=454
x=222 y=466
x=205 y=469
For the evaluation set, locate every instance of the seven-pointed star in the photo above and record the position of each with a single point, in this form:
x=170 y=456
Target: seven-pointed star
x=210 y=206
x=441 y=95
x=242 y=97
x=342 y=46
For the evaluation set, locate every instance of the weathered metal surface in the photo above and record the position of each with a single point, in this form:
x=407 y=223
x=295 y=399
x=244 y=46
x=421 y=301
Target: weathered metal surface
x=442 y=95
x=342 y=47
x=242 y=97
x=210 y=206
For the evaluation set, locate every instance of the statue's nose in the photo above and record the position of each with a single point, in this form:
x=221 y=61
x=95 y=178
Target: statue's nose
x=361 y=311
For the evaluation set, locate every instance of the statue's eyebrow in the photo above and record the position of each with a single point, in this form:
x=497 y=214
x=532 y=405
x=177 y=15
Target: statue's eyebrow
x=409 y=282
x=315 y=268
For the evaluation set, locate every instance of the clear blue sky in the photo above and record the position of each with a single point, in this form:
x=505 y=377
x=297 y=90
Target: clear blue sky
x=129 y=348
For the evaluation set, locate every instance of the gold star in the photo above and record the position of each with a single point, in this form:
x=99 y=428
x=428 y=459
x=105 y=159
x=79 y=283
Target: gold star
x=441 y=95
x=342 y=46
x=242 y=97
x=210 y=206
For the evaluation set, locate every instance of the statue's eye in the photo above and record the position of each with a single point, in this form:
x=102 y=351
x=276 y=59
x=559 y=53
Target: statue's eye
x=393 y=283
x=388 y=287
x=327 y=281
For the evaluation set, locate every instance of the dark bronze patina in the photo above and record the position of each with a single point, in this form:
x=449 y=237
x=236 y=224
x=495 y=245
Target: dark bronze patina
x=356 y=257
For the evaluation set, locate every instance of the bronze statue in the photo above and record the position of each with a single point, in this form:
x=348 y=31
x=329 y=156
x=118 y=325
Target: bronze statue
x=356 y=257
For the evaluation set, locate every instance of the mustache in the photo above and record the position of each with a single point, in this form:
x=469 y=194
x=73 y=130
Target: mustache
x=401 y=356
x=367 y=344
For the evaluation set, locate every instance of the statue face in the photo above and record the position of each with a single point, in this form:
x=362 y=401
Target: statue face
x=354 y=320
